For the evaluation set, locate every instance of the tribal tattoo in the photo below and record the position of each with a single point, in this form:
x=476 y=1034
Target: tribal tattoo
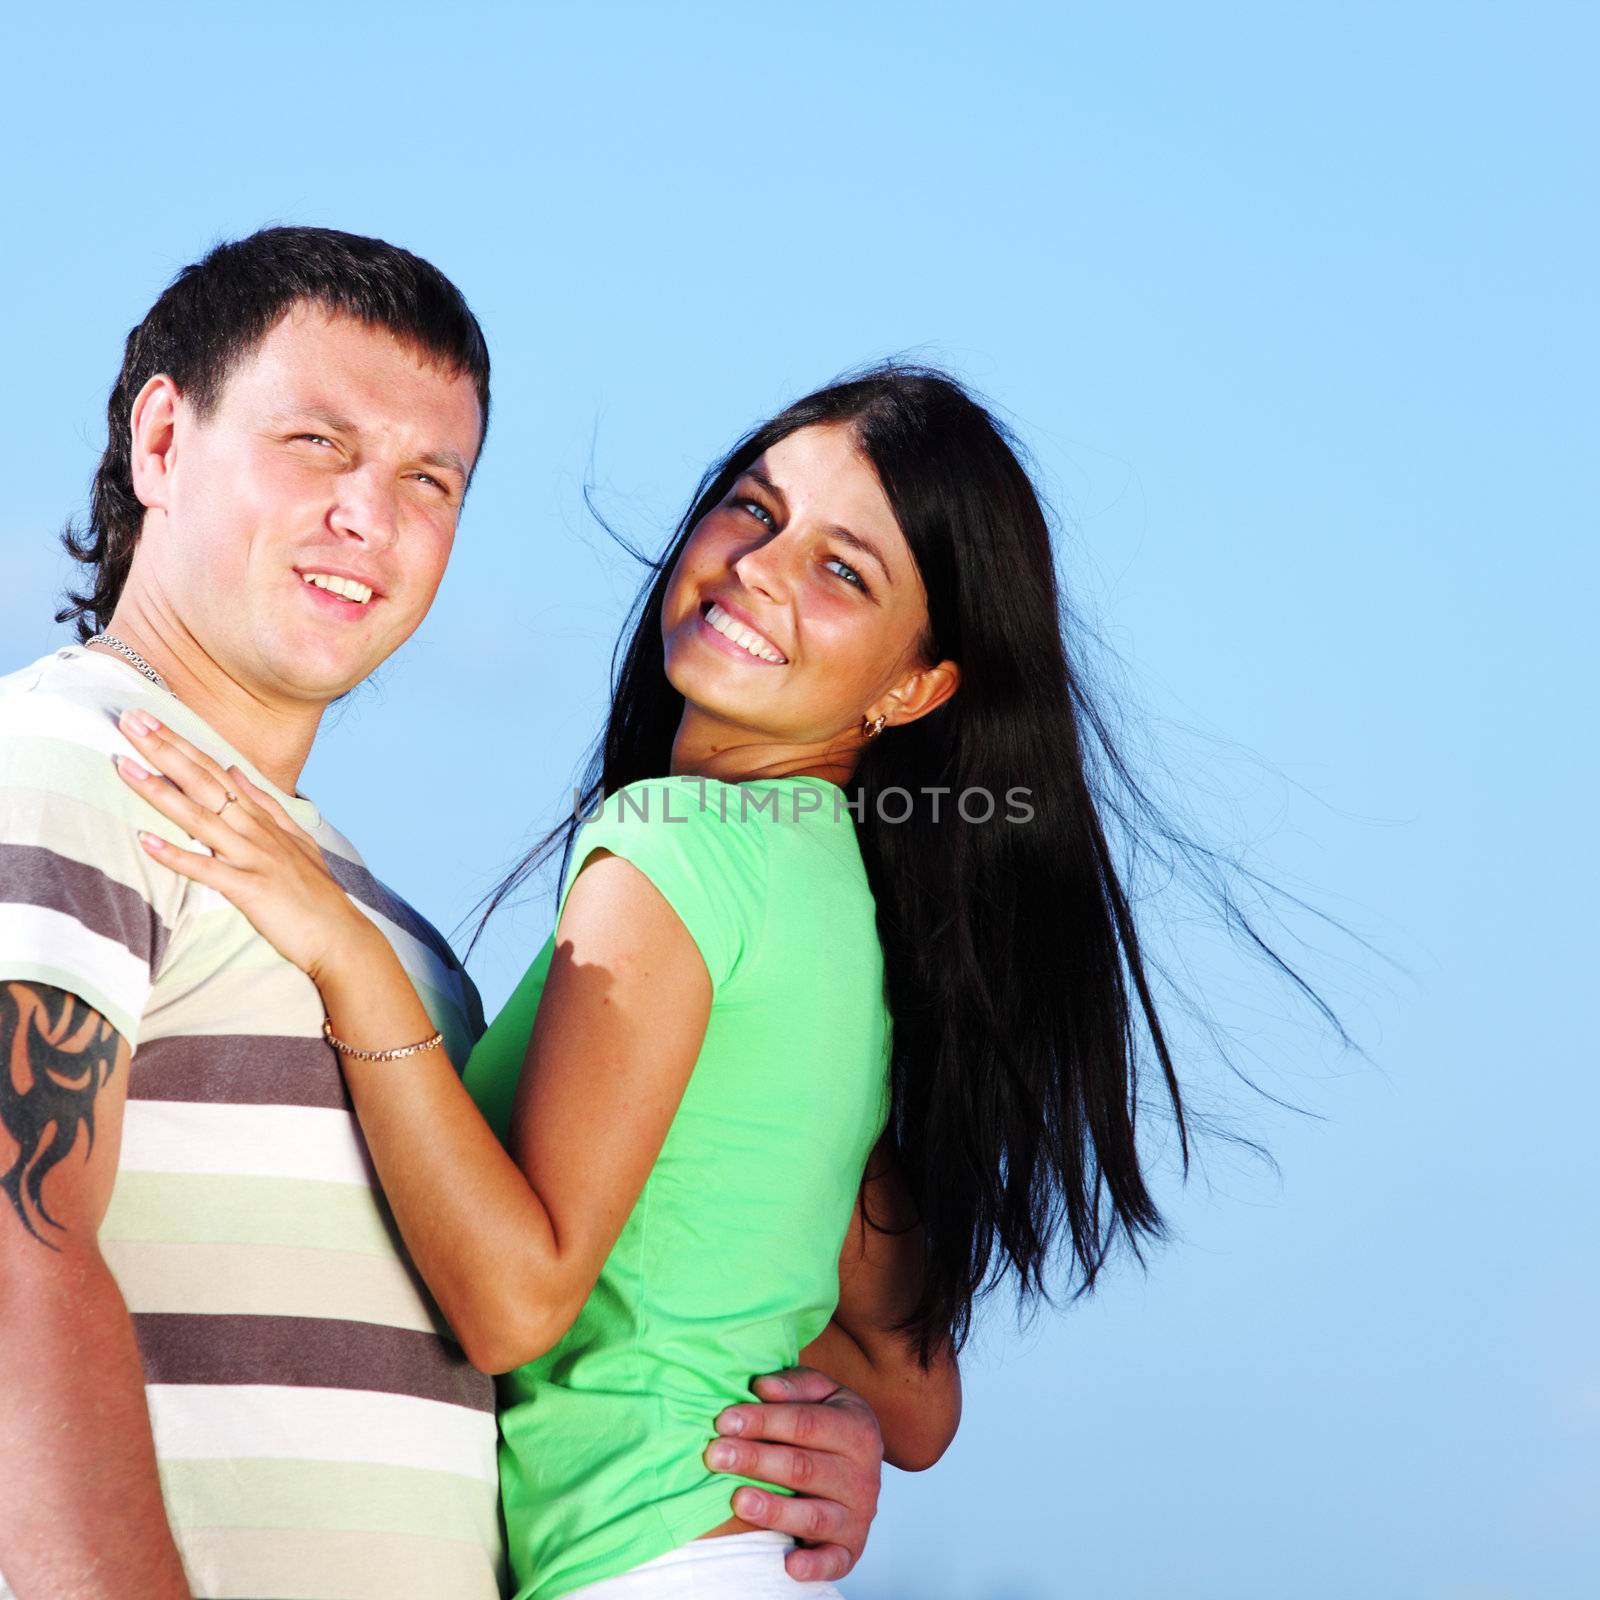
x=58 y=1054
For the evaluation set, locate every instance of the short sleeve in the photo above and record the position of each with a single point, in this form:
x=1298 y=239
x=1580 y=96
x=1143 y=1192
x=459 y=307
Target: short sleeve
x=695 y=843
x=82 y=907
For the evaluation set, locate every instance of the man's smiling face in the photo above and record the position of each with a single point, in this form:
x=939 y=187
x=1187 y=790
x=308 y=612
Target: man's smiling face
x=303 y=522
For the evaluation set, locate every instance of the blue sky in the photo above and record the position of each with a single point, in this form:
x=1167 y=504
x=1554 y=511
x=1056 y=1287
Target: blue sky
x=1295 y=310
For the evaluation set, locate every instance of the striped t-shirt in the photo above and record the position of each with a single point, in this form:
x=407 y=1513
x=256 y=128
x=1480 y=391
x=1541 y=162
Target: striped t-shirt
x=319 y=1433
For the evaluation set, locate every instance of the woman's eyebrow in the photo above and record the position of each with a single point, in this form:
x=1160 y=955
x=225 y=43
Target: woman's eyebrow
x=758 y=476
x=854 y=540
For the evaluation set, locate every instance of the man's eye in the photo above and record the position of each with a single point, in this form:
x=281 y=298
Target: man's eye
x=854 y=576
x=315 y=438
x=425 y=477
x=758 y=511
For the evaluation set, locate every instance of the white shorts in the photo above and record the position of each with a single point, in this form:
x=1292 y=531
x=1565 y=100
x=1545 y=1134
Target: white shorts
x=735 y=1566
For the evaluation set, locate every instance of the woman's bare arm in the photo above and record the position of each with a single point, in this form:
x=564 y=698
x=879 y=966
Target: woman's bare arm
x=511 y=1244
x=880 y=1278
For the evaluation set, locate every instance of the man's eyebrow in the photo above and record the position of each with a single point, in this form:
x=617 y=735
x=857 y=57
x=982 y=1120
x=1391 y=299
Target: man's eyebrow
x=328 y=419
x=448 y=459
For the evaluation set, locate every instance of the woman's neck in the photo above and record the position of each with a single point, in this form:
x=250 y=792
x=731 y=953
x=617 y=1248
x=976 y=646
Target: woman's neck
x=706 y=748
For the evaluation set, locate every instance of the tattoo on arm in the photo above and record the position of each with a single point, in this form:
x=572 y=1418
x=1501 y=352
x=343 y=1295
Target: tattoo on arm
x=58 y=1054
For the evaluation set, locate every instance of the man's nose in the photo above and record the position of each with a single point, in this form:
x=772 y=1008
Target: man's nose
x=367 y=507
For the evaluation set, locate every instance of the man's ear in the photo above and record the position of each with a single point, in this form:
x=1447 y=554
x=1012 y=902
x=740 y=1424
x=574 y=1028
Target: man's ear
x=920 y=692
x=153 y=424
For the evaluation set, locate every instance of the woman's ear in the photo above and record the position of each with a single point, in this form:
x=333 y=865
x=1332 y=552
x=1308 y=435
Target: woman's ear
x=153 y=424
x=919 y=692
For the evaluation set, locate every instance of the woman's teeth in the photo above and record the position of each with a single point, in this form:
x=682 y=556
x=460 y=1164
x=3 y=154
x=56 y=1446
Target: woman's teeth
x=346 y=588
x=745 y=638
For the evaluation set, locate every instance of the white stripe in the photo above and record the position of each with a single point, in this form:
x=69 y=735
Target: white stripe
x=256 y=1141
x=77 y=714
x=248 y=989
x=39 y=936
x=77 y=699
x=195 y=1421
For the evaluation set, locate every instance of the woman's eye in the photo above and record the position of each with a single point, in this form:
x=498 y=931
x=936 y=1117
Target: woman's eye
x=854 y=576
x=758 y=511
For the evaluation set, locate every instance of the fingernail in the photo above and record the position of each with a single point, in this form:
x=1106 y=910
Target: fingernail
x=152 y=843
x=782 y=1385
x=132 y=768
x=749 y=1502
x=730 y=1422
x=723 y=1456
x=140 y=721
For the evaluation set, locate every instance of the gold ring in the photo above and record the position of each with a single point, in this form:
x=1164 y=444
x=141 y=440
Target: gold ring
x=228 y=802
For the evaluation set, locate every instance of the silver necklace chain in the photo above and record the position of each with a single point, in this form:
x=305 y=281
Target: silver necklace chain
x=129 y=654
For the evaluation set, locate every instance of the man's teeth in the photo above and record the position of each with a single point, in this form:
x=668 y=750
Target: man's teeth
x=347 y=587
x=741 y=635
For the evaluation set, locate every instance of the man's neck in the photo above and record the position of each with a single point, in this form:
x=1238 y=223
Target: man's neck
x=275 y=736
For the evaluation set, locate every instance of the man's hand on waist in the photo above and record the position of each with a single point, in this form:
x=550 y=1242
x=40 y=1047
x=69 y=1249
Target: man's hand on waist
x=820 y=1439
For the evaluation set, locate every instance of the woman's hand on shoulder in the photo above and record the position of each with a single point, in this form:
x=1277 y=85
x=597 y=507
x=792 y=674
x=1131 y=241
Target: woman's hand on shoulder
x=259 y=857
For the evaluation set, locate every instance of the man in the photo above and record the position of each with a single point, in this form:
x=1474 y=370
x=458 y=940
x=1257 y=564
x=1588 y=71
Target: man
x=222 y=1375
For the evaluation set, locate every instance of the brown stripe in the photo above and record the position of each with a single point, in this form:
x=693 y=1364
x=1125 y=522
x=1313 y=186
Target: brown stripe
x=31 y=875
x=239 y=1069
x=360 y=885
x=308 y=1353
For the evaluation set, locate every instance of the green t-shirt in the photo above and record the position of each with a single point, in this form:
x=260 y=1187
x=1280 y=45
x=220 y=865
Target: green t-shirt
x=728 y=1265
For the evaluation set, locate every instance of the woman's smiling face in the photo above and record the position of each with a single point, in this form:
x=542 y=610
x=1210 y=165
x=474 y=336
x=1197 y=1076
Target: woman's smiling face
x=795 y=607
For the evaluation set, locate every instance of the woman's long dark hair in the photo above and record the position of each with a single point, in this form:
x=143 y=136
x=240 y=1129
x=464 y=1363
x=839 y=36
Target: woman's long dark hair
x=1022 y=1007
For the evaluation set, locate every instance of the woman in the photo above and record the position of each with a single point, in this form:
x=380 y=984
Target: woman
x=849 y=895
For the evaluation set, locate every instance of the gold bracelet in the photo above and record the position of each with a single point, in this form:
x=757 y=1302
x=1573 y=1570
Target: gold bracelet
x=377 y=1055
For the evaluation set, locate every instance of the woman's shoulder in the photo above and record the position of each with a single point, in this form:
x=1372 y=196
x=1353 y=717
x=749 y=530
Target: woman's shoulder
x=706 y=805
x=662 y=793
x=709 y=864
x=680 y=819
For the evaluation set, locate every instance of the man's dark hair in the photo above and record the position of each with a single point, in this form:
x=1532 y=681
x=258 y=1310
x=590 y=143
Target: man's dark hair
x=212 y=315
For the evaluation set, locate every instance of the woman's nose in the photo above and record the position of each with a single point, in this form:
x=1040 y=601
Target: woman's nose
x=762 y=568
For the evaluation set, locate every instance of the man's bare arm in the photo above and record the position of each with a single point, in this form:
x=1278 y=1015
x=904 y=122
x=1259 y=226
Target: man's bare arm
x=81 y=1516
